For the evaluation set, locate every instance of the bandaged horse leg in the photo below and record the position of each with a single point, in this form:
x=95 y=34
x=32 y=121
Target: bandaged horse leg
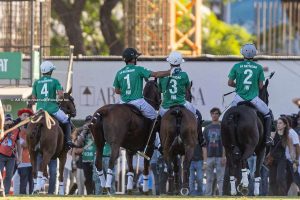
x=39 y=181
x=130 y=180
x=101 y=178
x=109 y=177
x=256 y=185
x=233 y=191
x=34 y=184
x=43 y=182
x=130 y=174
x=98 y=164
x=245 y=181
x=61 y=190
x=145 y=183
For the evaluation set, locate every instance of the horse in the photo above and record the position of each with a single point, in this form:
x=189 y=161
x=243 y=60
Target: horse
x=45 y=136
x=242 y=136
x=179 y=135
x=123 y=125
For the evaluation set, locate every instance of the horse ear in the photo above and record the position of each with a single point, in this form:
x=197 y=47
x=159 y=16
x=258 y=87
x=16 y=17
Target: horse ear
x=155 y=80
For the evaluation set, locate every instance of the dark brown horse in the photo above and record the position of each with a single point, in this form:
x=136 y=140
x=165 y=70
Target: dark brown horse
x=179 y=136
x=242 y=136
x=122 y=125
x=45 y=136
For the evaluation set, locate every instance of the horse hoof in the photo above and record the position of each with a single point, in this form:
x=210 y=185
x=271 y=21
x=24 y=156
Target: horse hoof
x=184 y=191
x=243 y=190
x=36 y=192
x=129 y=192
x=106 y=191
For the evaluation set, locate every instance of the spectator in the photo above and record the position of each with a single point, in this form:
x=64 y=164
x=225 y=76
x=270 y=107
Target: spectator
x=85 y=139
x=292 y=156
x=277 y=168
x=24 y=167
x=196 y=174
x=77 y=159
x=9 y=146
x=214 y=153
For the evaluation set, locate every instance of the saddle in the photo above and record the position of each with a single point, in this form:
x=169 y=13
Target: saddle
x=134 y=109
x=246 y=103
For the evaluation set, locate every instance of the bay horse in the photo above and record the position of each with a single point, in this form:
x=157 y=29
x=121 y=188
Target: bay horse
x=179 y=134
x=123 y=125
x=242 y=136
x=45 y=136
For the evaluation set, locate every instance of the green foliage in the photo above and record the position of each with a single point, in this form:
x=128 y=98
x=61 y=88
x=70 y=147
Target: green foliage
x=93 y=39
x=220 y=38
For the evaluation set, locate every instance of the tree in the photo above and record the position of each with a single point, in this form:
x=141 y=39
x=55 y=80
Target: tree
x=220 y=38
x=108 y=27
x=70 y=14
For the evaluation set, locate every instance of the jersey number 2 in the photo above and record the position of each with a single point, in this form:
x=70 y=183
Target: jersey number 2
x=249 y=74
x=44 y=90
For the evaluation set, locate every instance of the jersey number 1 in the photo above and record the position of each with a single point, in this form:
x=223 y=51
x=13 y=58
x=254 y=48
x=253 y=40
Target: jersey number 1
x=127 y=81
x=44 y=90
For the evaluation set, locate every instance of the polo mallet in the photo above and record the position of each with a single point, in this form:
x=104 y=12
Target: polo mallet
x=143 y=154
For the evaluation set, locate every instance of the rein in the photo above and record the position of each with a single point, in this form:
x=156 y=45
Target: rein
x=49 y=122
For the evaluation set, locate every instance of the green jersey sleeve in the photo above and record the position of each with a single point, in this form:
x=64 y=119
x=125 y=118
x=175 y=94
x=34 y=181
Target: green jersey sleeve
x=34 y=89
x=261 y=74
x=145 y=73
x=232 y=73
x=58 y=86
x=116 y=83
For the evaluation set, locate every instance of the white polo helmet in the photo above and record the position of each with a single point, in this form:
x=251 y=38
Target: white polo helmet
x=248 y=51
x=175 y=58
x=47 y=66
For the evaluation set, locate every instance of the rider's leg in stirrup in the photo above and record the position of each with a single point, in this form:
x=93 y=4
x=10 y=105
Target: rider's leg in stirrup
x=263 y=108
x=66 y=126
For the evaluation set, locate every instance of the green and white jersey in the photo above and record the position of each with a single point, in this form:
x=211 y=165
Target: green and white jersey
x=247 y=75
x=130 y=81
x=45 y=91
x=174 y=89
x=89 y=150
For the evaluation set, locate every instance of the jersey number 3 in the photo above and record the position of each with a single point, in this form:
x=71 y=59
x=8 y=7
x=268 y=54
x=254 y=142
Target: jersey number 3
x=44 y=90
x=173 y=83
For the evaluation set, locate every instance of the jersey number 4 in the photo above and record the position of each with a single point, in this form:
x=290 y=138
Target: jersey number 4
x=44 y=90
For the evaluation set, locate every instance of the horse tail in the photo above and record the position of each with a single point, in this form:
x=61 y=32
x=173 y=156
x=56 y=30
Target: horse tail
x=178 y=117
x=232 y=122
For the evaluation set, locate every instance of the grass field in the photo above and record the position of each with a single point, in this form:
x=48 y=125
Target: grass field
x=136 y=198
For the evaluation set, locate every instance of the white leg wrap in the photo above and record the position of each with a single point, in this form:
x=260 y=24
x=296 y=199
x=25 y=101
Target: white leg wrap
x=61 y=188
x=34 y=184
x=109 y=176
x=245 y=181
x=233 y=191
x=145 y=183
x=102 y=178
x=256 y=186
x=39 y=181
x=43 y=182
x=130 y=180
